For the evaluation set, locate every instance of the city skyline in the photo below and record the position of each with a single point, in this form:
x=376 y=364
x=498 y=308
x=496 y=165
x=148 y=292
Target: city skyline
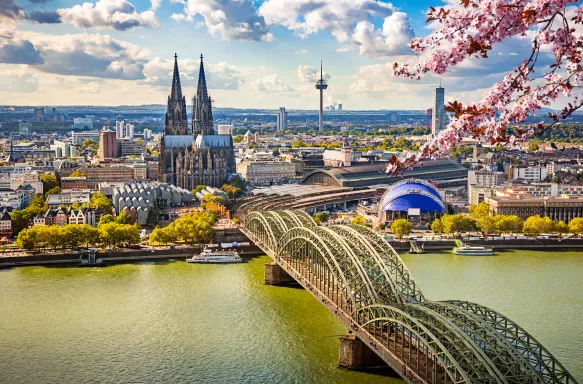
x=120 y=52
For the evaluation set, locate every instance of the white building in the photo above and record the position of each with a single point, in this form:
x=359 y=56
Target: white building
x=147 y=134
x=69 y=198
x=80 y=137
x=129 y=131
x=225 y=129
x=281 y=119
x=24 y=129
x=486 y=178
x=266 y=172
x=119 y=125
x=479 y=194
x=530 y=173
x=12 y=199
x=438 y=111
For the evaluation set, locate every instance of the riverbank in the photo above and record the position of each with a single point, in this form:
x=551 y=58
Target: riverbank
x=508 y=244
x=116 y=255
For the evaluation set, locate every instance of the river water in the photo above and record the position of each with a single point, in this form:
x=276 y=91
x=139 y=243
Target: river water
x=172 y=322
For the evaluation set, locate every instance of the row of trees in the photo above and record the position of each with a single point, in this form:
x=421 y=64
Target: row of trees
x=196 y=228
x=109 y=234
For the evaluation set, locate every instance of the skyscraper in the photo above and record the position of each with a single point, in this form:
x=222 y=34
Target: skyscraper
x=107 y=144
x=321 y=85
x=282 y=119
x=438 y=111
x=119 y=129
x=129 y=131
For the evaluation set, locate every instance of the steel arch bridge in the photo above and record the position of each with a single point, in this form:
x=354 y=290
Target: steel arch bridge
x=357 y=275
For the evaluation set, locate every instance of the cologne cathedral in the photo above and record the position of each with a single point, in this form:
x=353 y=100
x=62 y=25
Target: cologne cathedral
x=197 y=156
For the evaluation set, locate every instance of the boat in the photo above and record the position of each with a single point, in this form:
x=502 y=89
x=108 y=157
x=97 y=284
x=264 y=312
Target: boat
x=208 y=256
x=415 y=248
x=89 y=259
x=470 y=250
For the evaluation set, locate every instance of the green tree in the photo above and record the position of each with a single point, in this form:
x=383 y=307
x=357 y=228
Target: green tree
x=533 y=145
x=508 y=224
x=106 y=219
x=437 y=226
x=49 y=181
x=27 y=239
x=237 y=182
x=298 y=144
x=401 y=227
x=576 y=226
x=561 y=227
x=98 y=199
x=54 y=191
x=486 y=224
x=79 y=173
x=457 y=223
x=197 y=189
x=123 y=218
x=321 y=217
x=480 y=210
x=89 y=143
x=535 y=225
x=358 y=220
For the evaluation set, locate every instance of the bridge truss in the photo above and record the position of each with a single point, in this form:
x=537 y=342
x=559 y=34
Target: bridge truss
x=360 y=277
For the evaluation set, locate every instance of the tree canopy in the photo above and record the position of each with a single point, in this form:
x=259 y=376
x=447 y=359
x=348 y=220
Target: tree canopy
x=401 y=227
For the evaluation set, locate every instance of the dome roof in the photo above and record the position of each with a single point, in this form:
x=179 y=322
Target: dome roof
x=412 y=193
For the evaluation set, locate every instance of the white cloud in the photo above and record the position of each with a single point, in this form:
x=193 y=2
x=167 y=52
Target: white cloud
x=302 y=52
x=350 y=22
x=232 y=20
x=309 y=74
x=393 y=39
x=91 y=88
x=344 y=48
x=271 y=83
x=155 y=4
x=116 y=14
x=92 y=55
x=18 y=81
x=219 y=76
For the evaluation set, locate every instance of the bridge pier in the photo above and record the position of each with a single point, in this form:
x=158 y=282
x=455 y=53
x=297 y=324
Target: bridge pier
x=276 y=275
x=355 y=354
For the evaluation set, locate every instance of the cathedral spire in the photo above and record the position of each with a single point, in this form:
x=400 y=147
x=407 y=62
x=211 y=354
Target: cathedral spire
x=176 y=121
x=176 y=88
x=202 y=111
x=201 y=90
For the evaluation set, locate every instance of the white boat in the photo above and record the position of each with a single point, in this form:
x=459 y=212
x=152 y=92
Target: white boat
x=468 y=250
x=208 y=256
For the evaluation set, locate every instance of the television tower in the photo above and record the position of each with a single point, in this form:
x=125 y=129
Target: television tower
x=321 y=85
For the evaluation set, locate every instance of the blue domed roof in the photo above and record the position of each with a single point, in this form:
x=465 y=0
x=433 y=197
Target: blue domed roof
x=412 y=193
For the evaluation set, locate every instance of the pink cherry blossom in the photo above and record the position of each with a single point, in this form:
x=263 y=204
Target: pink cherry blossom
x=470 y=30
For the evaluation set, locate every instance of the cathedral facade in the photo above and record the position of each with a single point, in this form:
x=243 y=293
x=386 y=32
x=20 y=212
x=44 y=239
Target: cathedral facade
x=196 y=156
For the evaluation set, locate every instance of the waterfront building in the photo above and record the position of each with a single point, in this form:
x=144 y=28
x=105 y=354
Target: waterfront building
x=5 y=223
x=557 y=208
x=197 y=156
x=281 y=119
x=80 y=137
x=266 y=172
x=438 y=111
x=85 y=215
x=107 y=144
x=83 y=123
x=321 y=86
x=413 y=197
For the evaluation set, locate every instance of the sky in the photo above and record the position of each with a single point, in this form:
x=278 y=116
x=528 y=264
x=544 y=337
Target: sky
x=257 y=54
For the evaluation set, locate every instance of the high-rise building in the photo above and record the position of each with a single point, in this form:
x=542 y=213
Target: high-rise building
x=119 y=129
x=107 y=144
x=129 y=131
x=438 y=111
x=281 y=119
x=339 y=106
x=321 y=85
x=147 y=134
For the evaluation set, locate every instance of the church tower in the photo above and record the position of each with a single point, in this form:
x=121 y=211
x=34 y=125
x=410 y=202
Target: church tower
x=176 y=120
x=202 y=110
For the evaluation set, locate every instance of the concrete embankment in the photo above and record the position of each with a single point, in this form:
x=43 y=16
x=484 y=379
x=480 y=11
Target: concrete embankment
x=555 y=244
x=112 y=256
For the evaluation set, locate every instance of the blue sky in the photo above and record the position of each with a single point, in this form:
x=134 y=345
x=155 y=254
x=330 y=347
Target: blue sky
x=262 y=54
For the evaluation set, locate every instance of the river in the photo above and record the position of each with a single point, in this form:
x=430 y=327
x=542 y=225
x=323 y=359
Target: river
x=173 y=322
